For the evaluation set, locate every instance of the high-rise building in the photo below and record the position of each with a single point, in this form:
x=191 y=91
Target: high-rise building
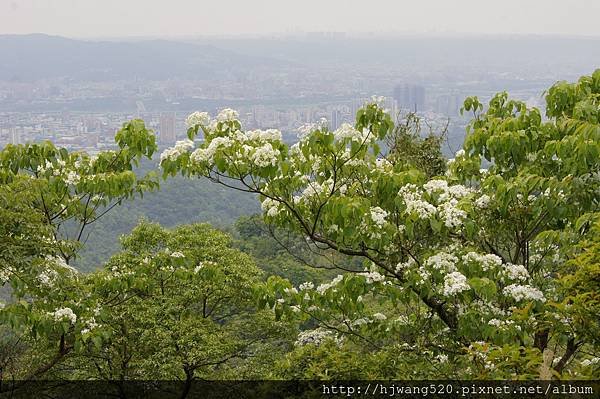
x=167 y=128
x=410 y=97
x=336 y=119
x=15 y=137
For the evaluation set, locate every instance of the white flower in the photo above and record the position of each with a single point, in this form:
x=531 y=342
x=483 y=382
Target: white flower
x=177 y=254
x=459 y=153
x=414 y=203
x=379 y=316
x=313 y=337
x=451 y=215
x=487 y=262
x=483 y=201
x=202 y=155
x=227 y=115
x=72 y=178
x=589 y=362
x=442 y=261
x=47 y=277
x=515 y=272
x=495 y=322
x=181 y=147
x=270 y=207
x=524 y=292
x=62 y=313
x=265 y=156
x=264 y=135
x=378 y=216
x=324 y=287
x=306 y=286
x=198 y=118
x=347 y=131
x=442 y=358
x=454 y=283
x=372 y=277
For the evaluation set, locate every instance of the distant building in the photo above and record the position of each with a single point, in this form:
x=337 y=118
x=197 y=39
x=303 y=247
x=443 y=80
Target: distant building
x=167 y=128
x=448 y=104
x=15 y=137
x=410 y=97
x=336 y=119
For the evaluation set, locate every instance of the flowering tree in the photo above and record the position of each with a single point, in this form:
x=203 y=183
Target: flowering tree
x=462 y=268
x=49 y=197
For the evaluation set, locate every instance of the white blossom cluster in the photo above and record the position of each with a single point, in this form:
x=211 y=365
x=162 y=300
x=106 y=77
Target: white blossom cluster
x=414 y=203
x=61 y=263
x=263 y=135
x=72 y=178
x=347 y=131
x=306 y=286
x=64 y=313
x=316 y=337
x=524 y=293
x=483 y=201
x=227 y=115
x=503 y=324
x=181 y=147
x=202 y=155
x=454 y=283
x=514 y=273
x=90 y=324
x=379 y=316
x=265 y=156
x=589 y=362
x=325 y=286
x=5 y=274
x=270 y=207
x=177 y=254
x=372 y=277
x=47 y=277
x=452 y=216
x=487 y=261
x=201 y=265
x=378 y=216
x=316 y=189
x=442 y=261
x=198 y=118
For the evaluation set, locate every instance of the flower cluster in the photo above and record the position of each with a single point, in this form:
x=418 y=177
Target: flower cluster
x=514 y=272
x=372 y=277
x=442 y=261
x=347 y=131
x=414 y=203
x=181 y=147
x=202 y=155
x=524 y=293
x=487 y=261
x=265 y=156
x=316 y=337
x=325 y=286
x=270 y=207
x=454 y=283
x=198 y=118
x=378 y=216
x=64 y=313
x=228 y=115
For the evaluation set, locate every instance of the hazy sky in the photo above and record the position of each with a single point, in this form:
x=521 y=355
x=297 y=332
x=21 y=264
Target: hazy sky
x=114 y=18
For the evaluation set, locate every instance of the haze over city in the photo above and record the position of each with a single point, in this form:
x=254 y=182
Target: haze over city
x=136 y=18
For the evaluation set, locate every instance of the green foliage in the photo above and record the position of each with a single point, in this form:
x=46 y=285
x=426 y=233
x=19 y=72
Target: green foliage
x=468 y=263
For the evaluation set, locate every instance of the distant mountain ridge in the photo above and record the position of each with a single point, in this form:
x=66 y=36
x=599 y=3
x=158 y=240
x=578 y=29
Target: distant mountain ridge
x=37 y=56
